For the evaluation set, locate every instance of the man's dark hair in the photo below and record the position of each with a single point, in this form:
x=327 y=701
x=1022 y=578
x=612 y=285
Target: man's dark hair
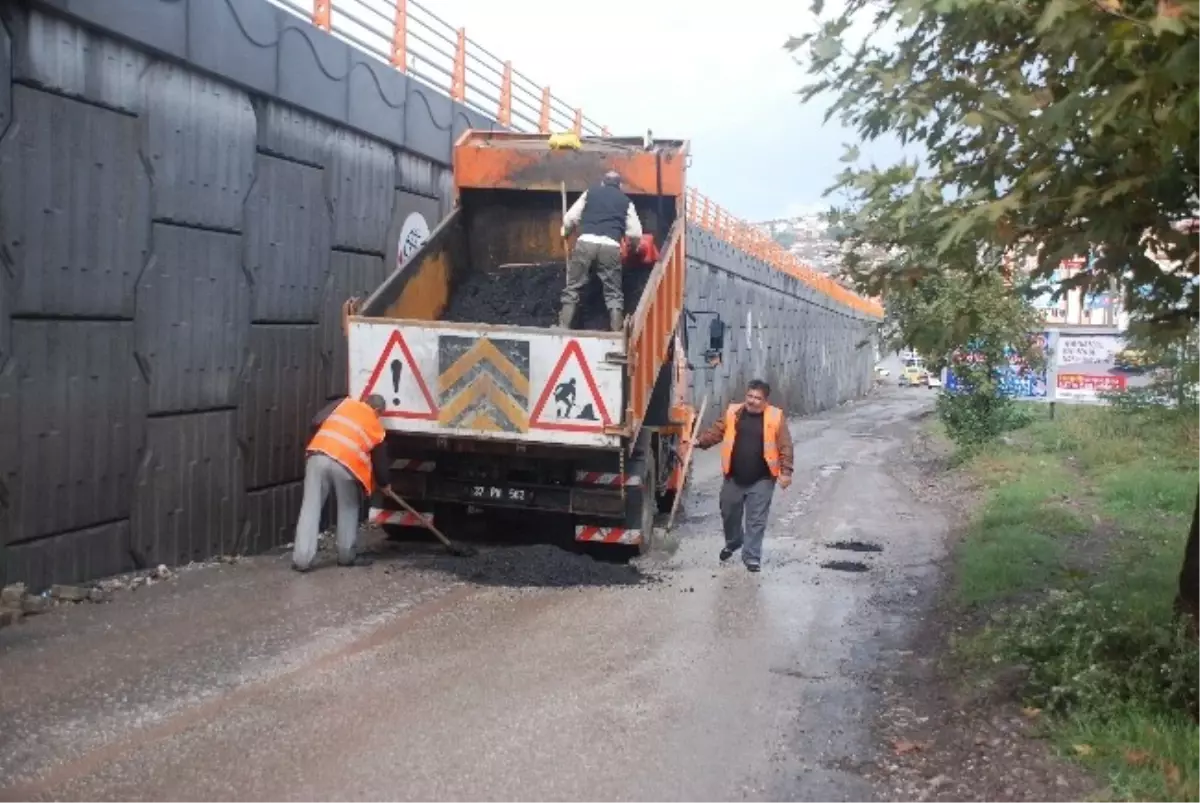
x=758 y=384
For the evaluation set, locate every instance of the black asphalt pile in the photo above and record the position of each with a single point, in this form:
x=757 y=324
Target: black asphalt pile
x=531 y=296
x=539 y=566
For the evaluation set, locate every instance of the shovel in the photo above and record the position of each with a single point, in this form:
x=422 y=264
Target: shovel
x=566 y=248
x=461 y=550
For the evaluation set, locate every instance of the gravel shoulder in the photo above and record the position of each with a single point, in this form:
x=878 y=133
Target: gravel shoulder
x=941 y=735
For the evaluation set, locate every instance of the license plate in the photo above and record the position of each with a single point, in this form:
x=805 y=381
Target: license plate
x=495 y=493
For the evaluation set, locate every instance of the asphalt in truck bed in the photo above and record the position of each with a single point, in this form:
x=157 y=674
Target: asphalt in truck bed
x=425 y=678
x=531 y=296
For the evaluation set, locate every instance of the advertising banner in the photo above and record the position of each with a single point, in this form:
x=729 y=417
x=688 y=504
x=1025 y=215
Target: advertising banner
x=1088 y=364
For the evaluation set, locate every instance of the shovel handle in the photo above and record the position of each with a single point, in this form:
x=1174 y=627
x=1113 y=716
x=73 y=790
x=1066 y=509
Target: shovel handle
x=428 y=525
x=566 y=248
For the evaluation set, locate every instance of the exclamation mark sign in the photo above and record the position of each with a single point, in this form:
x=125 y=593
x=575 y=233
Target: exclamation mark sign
x=397 y=367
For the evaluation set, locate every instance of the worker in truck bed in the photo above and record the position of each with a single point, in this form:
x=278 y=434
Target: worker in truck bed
x=756 y=455
x=347 y=453
x=603 y=215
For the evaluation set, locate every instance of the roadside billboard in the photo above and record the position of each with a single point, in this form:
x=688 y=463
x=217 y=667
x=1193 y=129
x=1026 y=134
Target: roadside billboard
x=1083 y=364
x=1089 y=363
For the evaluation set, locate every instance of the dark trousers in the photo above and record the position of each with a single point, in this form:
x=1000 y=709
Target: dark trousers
x=607 y=259
x=751 y=503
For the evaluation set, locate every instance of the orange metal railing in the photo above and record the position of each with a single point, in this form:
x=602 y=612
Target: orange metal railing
x=707 y=215
x=416 y=41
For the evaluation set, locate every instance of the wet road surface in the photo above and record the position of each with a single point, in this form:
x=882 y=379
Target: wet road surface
x=404 y=681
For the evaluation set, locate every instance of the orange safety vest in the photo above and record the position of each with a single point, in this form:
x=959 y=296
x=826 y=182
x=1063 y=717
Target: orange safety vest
x=348 y=435
x=772 y=421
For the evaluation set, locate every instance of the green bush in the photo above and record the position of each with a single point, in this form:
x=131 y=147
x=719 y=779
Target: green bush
x=973 y=419
x=1089 y=653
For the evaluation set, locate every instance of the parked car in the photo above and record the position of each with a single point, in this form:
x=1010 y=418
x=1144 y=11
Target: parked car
x=1132 y=361
x=913 y=372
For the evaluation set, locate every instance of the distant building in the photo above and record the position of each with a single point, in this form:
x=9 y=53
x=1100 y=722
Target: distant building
x=1073 y=307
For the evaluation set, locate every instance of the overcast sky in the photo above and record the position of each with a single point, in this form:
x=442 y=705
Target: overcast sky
x=714 y=74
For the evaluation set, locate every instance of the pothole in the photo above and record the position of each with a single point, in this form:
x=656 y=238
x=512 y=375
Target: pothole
x=844 y=566
x=855 y=546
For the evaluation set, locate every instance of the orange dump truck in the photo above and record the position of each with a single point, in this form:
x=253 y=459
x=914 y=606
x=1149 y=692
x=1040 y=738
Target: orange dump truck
x=496 y=414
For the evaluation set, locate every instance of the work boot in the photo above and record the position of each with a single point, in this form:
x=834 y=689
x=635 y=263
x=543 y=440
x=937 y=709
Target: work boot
x=567 y=316
x=616 y=319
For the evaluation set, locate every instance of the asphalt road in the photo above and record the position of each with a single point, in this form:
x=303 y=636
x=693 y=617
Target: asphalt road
x=407 y=680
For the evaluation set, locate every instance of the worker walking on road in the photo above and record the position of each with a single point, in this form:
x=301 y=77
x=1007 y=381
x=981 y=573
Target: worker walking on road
x=603 y=214
x=756 y=455
x=348 y=454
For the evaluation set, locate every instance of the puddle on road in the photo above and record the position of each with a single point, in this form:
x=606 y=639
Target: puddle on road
x=844 y=566
x=855 y=546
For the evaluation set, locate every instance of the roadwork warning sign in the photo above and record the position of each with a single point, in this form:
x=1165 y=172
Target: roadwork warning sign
x=571 y=400
x=397 y=379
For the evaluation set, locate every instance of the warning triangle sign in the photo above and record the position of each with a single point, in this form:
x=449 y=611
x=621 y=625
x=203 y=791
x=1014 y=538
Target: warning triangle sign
x=571 y=401
x=397 y=379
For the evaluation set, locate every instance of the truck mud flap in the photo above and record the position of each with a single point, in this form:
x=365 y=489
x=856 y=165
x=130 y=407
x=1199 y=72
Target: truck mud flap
x=382 y=517
x=637 y=508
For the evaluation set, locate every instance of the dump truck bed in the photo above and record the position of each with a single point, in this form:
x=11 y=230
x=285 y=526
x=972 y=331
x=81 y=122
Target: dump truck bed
x=461 y=340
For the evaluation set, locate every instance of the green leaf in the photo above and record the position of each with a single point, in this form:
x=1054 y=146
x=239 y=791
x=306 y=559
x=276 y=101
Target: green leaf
x=1055 y=11
x=826 y=47
x=1164 y=24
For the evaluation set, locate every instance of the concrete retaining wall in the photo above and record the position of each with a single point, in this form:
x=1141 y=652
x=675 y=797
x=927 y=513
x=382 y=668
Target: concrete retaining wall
x=189 y=189
x=813 y=352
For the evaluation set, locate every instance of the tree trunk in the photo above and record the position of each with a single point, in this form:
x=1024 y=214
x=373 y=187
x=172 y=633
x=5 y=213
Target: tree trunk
x=1188 y=599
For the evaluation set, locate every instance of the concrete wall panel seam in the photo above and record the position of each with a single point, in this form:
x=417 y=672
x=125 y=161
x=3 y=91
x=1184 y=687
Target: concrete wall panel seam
x=74 y=198
x=200 y=139
x=287 y=243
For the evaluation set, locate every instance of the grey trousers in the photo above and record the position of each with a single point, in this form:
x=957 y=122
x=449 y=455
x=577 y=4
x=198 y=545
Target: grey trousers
x=607 y=259
x=753 y=503
x=320 y=474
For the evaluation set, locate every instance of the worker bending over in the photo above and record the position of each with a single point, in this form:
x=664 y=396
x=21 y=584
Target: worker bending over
x=348 y=454
x=756 y=453
x=603 y=214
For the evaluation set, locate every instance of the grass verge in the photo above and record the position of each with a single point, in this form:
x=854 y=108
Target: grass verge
x=1074 y=557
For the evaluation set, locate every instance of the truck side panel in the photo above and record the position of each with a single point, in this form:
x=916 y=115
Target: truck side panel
x=494 y=383
x=654 y=324
x=421 y=287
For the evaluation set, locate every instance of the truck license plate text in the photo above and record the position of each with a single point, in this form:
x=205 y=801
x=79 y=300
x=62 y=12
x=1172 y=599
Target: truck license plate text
x=499 y=494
